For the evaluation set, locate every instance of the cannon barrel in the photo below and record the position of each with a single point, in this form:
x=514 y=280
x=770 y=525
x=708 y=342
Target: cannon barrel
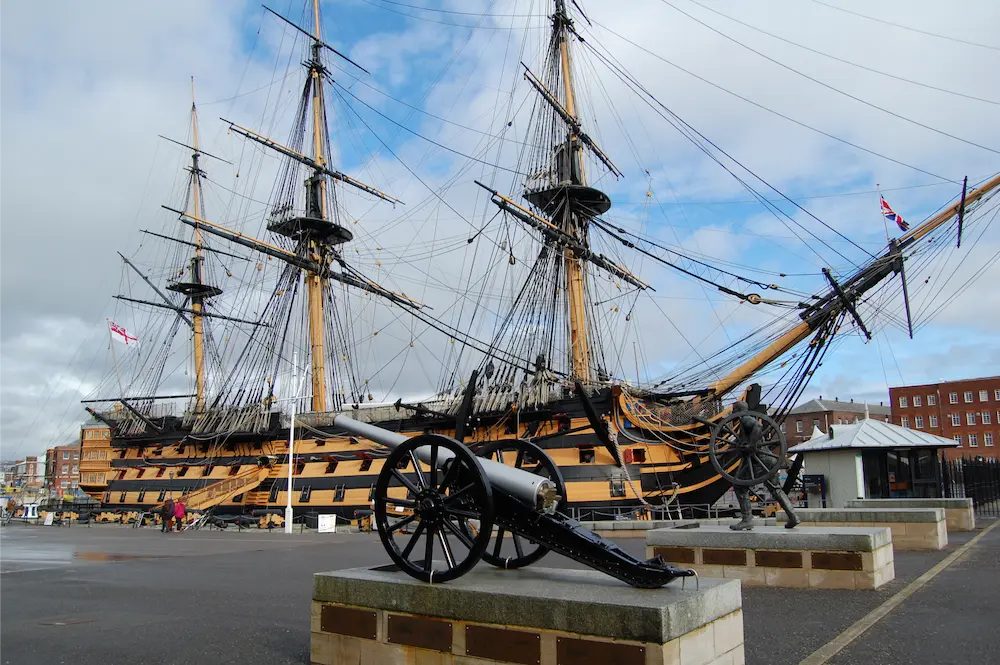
x=537 y=490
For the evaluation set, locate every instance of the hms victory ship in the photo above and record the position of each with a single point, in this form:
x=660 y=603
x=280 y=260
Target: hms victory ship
x=257 y=325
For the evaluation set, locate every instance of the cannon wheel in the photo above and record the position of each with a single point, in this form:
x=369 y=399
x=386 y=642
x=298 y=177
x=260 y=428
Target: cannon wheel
x=533 y=459
x=440 y=501
x=755 y=441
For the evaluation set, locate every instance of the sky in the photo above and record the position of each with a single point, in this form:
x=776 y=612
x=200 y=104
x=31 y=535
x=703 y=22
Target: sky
x=85 y=92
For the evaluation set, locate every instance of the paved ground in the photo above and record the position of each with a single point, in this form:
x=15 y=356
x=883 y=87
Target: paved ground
x=111 y=594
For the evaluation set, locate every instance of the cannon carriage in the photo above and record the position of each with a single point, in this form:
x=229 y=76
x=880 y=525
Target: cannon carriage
x=439 y=509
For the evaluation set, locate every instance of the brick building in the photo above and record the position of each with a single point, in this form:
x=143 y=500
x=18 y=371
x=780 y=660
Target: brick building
x=27 y=472
x=821 y=413
x=62 y=469
x=966 y=411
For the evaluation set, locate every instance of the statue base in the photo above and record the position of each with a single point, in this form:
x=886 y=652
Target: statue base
x=533 y=616
x=804 y=557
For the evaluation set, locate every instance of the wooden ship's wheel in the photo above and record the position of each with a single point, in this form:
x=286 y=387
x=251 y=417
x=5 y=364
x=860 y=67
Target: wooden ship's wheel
x=747 y=448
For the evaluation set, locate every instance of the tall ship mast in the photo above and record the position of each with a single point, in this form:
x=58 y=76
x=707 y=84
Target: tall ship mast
x=542 y=362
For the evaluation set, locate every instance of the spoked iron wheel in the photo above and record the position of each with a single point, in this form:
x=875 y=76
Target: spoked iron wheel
x=517 y=551
x=429 y=491
x=747 y=448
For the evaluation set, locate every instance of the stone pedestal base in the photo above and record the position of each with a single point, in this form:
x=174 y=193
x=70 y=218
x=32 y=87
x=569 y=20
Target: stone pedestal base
x=533 y=616
x=912 y=528
x=959 y=514
x=819 y=558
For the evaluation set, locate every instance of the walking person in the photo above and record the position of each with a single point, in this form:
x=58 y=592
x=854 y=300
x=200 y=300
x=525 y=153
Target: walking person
x=179 y=513
x=168 y=514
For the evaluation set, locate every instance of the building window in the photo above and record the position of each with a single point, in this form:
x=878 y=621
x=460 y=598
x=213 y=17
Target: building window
x=904 y=421
x=956 y=420
x=798 y=426
x=934 y=420
x=64 y=484
x=984 y=396
x=65 y=455
x=65 y=469
x=996 y=394
x=76 y=469
x=985 y=415
x=918 y=421
x=903 y=403
x=988 y=439
x=958 y=438
x=931 y=400
x=968 y=397
x=815 y=424
x=970 y=418
x=783 y=428
x=953 y=398
x=76 y=456
x=973 y=441
x=917 y=401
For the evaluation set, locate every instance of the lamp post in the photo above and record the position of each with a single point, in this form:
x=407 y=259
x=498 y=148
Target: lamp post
x=289 y=513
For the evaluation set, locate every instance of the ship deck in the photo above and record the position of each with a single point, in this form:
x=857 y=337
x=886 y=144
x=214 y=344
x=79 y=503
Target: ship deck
x=108 y=594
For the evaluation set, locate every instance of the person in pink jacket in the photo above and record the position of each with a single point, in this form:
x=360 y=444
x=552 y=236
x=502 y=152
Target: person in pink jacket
x=179 y=514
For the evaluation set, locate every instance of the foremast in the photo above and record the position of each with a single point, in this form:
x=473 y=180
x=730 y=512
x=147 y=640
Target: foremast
x=573 y=223
x=562 y=202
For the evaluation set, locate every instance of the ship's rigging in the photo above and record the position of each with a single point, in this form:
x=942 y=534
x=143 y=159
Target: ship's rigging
x=572 y=271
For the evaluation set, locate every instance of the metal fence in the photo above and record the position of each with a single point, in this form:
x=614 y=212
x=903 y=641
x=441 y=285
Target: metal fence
x=974 y=478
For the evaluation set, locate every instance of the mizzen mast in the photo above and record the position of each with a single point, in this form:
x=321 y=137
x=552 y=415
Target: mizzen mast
x=195 y=287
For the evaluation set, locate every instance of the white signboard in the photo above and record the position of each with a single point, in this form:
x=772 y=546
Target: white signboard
x=328 y=524
x=49 y=517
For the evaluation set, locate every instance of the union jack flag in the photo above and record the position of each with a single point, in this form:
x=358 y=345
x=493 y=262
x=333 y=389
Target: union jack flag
x=893 y=216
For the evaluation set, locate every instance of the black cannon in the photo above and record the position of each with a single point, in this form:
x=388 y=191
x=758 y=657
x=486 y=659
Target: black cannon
x=435 y=498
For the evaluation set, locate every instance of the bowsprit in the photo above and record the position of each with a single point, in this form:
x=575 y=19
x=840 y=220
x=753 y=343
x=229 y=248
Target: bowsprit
x=436 y=505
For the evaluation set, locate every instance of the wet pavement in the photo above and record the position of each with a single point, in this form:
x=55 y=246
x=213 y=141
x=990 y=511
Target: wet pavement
x=113 y=594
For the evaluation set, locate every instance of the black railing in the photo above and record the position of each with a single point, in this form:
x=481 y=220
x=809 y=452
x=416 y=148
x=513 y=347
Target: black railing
x=973 y=478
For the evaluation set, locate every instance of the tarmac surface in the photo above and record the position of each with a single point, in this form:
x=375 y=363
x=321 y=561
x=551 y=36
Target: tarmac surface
x=111 y=594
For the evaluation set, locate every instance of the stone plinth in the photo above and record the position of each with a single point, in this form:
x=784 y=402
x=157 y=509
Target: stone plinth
x=638 y=528
x=534 y=616
x=959 y=514
x=803 y=557
x=912 y=528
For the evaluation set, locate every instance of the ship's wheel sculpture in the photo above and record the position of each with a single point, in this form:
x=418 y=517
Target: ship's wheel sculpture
x=748 y=449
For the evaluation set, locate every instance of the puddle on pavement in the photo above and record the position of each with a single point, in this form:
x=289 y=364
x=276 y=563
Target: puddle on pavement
x=108 y=556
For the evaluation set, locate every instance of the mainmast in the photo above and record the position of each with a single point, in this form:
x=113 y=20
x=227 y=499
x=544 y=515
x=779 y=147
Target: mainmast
x=195 y=288
x=316 y=208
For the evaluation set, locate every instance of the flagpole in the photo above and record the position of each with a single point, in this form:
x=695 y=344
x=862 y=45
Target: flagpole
x=114 y=357
x=884 y=222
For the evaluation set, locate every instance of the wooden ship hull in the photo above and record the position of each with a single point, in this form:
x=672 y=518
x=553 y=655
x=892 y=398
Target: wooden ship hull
x=548 y=362
x=334 y=473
